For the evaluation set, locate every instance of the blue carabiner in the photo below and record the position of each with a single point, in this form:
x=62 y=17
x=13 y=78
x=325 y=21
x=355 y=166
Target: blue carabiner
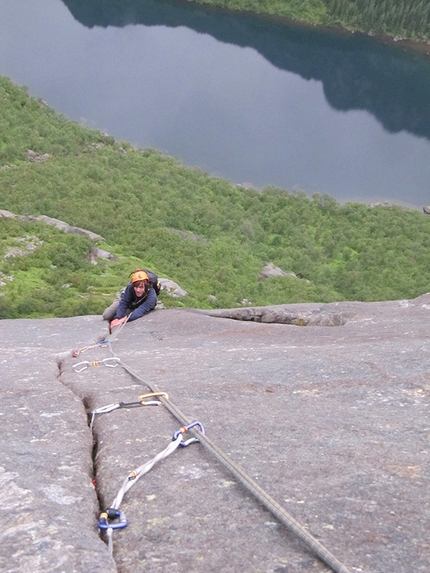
x=111 y=514
x=184 y=429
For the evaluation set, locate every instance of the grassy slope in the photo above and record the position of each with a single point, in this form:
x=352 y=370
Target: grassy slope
x=209 y=236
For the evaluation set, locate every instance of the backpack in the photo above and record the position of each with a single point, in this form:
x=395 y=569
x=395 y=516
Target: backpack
x=153 y=279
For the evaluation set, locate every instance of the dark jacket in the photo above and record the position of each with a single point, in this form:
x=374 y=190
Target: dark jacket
x=136 y=307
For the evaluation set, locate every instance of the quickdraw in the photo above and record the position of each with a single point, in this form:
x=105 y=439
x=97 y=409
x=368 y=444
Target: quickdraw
x=109 y=362
x=107 y=519
x=127 y=405
x=113 y=518
x=101 y=344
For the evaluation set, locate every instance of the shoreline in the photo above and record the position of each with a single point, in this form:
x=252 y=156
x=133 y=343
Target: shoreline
x=422 y=47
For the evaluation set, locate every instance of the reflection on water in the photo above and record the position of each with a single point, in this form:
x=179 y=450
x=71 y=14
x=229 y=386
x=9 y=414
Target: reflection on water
x=241 y=97
x=357 y=72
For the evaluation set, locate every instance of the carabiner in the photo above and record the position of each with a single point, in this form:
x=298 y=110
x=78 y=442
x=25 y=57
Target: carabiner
x=84 y=366
x=142 y=398
x=107 y=360
x=107 y=409
x=103 y=410
x=112 y=514
x=184 y=429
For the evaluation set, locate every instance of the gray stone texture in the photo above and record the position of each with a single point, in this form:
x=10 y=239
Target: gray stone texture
x=47 y=498
x=327 y=410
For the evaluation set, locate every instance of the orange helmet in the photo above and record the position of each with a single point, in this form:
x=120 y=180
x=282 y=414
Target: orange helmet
x=139 y=276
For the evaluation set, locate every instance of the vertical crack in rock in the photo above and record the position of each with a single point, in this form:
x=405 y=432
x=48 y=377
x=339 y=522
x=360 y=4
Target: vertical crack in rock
x=88 y=409
x=100 y=500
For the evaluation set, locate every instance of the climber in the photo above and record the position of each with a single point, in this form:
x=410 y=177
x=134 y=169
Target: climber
x=137 y=299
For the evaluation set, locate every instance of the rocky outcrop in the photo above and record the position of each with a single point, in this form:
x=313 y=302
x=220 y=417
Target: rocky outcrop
x=172 y=288
x=298 y=315
x=331 y=422
x=33 y=156
x=61 y=225
x=188 y=235
x=97 y=253
x=271 y=270
x=6 y=214
x=167 y=285
x=23 y=246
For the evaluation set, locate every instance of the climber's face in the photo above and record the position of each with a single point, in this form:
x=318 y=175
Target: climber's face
x=139 y=288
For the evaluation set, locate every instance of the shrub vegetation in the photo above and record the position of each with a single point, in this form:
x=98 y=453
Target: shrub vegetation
x=209 y=236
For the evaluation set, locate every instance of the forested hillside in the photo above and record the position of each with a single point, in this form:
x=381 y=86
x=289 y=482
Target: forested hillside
x=408 y=18
x=209 y=236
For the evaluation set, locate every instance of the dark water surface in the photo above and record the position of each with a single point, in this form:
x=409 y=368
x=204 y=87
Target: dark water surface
x=245 y=98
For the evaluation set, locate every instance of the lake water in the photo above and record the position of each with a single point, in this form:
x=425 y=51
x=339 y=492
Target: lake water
x=252 y=100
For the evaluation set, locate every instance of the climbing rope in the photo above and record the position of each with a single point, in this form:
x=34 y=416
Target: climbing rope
x=273 y=506
x=117 y=330
x=106 y=343
x=112 y=518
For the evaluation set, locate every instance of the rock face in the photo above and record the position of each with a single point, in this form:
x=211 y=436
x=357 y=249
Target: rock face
x=48 y=500
x=331 y=419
